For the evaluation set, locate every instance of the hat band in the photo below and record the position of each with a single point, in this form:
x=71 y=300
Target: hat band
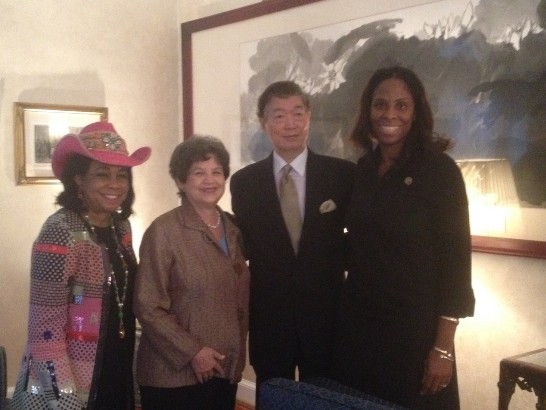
x=104 y=141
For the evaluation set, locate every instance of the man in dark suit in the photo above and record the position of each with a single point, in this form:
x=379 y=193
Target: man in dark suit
x=294 y=279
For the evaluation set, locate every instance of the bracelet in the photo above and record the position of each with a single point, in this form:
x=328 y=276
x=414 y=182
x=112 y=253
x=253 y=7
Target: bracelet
x=451 y=319
x=444 y=354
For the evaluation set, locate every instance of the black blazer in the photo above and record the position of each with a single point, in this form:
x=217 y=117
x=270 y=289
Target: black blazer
x=292 y=297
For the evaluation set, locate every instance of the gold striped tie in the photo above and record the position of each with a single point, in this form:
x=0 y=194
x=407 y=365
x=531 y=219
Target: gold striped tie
x=288 y=196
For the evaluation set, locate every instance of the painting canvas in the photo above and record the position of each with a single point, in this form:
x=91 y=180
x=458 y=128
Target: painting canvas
x=483 y=63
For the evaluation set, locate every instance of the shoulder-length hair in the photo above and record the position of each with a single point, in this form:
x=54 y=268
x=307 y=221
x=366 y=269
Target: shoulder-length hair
x=421 y=135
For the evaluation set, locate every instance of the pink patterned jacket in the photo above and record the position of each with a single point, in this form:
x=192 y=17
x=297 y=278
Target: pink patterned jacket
x=69 y=274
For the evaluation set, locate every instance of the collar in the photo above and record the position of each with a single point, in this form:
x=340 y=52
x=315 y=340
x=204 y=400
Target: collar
x=298 y=163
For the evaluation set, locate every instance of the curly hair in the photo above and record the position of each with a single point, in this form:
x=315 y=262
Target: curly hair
x=195 y=149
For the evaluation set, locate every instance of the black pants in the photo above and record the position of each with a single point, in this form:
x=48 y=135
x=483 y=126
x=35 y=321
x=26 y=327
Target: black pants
x=216 y=394
x=305 y=370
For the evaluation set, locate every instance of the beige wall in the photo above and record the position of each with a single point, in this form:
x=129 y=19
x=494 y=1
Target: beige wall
x=120 y=54
x=125 y=55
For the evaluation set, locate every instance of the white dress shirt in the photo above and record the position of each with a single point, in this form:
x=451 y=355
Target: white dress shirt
x=297 y=173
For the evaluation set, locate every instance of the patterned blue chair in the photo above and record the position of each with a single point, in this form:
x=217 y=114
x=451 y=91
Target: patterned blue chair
x=316 y=394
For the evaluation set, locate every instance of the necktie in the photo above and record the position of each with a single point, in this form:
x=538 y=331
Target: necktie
x=288 y=196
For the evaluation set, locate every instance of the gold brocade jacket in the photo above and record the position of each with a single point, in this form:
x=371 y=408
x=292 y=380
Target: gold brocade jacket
x=189 y=294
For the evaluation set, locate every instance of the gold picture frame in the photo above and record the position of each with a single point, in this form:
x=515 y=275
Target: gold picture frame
x=38 y=127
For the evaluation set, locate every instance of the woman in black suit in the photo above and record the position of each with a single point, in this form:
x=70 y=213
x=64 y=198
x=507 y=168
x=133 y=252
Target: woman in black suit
x=409 y=280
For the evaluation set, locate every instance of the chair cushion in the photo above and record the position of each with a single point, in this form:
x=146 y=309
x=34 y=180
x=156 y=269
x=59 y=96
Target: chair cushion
x=341 y=388
x=283 y=394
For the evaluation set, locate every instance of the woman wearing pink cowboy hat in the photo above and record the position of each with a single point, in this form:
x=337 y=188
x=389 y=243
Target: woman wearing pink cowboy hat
x=81 y=328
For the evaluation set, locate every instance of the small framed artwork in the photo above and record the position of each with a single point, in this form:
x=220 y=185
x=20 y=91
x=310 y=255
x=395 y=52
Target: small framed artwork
x=38 y=128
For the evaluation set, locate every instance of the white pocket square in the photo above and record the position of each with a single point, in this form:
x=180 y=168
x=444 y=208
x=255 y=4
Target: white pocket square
x=327 y=206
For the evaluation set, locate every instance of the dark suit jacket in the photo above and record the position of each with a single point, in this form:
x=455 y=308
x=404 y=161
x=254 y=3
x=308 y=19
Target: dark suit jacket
x=292 y=298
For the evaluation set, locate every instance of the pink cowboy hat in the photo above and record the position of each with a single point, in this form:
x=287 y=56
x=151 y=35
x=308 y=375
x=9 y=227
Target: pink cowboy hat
x=98 y=141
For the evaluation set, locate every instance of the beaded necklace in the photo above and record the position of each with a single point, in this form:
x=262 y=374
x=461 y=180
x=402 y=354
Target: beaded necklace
x=120 y=300
x=218 y=220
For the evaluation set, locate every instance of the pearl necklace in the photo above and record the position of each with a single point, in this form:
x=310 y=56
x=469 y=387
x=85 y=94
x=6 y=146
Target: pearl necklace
x=218 y=220
x=112 y=278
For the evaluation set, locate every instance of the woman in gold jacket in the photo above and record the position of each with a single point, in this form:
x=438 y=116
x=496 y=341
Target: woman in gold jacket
x=191 y=294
